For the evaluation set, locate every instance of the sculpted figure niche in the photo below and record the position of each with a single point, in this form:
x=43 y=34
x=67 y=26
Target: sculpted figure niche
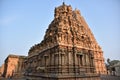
x=68 y=50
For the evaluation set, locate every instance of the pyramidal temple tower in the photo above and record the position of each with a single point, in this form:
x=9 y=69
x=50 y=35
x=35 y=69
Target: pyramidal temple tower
x=68 y=51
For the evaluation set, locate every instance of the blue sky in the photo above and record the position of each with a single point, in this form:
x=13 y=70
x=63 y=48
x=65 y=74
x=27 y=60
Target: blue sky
x=23 y=23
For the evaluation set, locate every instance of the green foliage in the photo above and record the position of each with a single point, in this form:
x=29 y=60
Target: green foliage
x=111 y=63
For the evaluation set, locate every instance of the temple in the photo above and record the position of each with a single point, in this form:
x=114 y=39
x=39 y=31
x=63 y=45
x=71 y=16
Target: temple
x=68 y=51
x=13 y=64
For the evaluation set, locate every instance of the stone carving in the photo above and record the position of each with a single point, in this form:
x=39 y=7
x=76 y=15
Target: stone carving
x=68 y=47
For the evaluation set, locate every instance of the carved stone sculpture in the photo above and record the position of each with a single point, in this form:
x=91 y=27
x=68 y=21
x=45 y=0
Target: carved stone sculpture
x=68 y=50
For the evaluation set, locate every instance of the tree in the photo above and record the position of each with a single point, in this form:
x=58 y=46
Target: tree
x=108 y=61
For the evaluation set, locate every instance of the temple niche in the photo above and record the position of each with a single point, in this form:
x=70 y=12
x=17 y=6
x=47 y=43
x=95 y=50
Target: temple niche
x=68 y=51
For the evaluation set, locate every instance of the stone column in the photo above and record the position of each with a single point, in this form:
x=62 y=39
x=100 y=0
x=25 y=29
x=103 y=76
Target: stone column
x=43 y=61
x=68 y=62
x=56 y=63
x=52 y=62
x=94 y=62
x=62 y=62
x=56 y=58
x=63 y=59
x=46 y=60
x=60 y=59
x=52 y=59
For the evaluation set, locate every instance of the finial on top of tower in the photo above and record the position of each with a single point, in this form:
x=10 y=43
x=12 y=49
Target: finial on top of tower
x=63 y=3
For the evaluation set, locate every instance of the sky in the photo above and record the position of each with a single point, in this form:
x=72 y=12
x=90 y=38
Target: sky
x=23 y=24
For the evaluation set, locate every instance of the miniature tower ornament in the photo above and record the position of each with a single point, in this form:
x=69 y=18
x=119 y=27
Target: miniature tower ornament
x=68 y=50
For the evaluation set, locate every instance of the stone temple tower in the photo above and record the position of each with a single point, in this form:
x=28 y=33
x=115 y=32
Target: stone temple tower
x=68 y=51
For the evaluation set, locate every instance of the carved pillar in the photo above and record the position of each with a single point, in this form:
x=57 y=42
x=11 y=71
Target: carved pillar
x=74 y=52
x=39 y=61
x=68 y=62
x=62 y=58
x=46 y=60
x=70 y=58
x=43 y=61
x=52 y=59
x=56 y=58
x=62 y=62
x=80 y=59
x=85 y=59
x=50 y=62
x=94 y=62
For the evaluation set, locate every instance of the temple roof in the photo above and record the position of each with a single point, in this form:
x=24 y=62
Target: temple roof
x=67 y=28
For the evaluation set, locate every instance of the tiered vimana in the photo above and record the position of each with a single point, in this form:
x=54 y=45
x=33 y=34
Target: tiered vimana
x=68 y=51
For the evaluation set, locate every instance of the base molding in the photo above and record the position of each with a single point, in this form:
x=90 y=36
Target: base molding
x=64 y=77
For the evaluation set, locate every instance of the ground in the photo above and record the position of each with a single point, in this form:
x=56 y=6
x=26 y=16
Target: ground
x=103 y=77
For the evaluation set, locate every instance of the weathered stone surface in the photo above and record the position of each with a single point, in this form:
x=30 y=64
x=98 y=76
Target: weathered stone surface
x=12 y=64
x=68 y=49
x=19 y=73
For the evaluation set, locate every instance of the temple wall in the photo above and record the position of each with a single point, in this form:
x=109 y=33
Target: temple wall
x=10 y=66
